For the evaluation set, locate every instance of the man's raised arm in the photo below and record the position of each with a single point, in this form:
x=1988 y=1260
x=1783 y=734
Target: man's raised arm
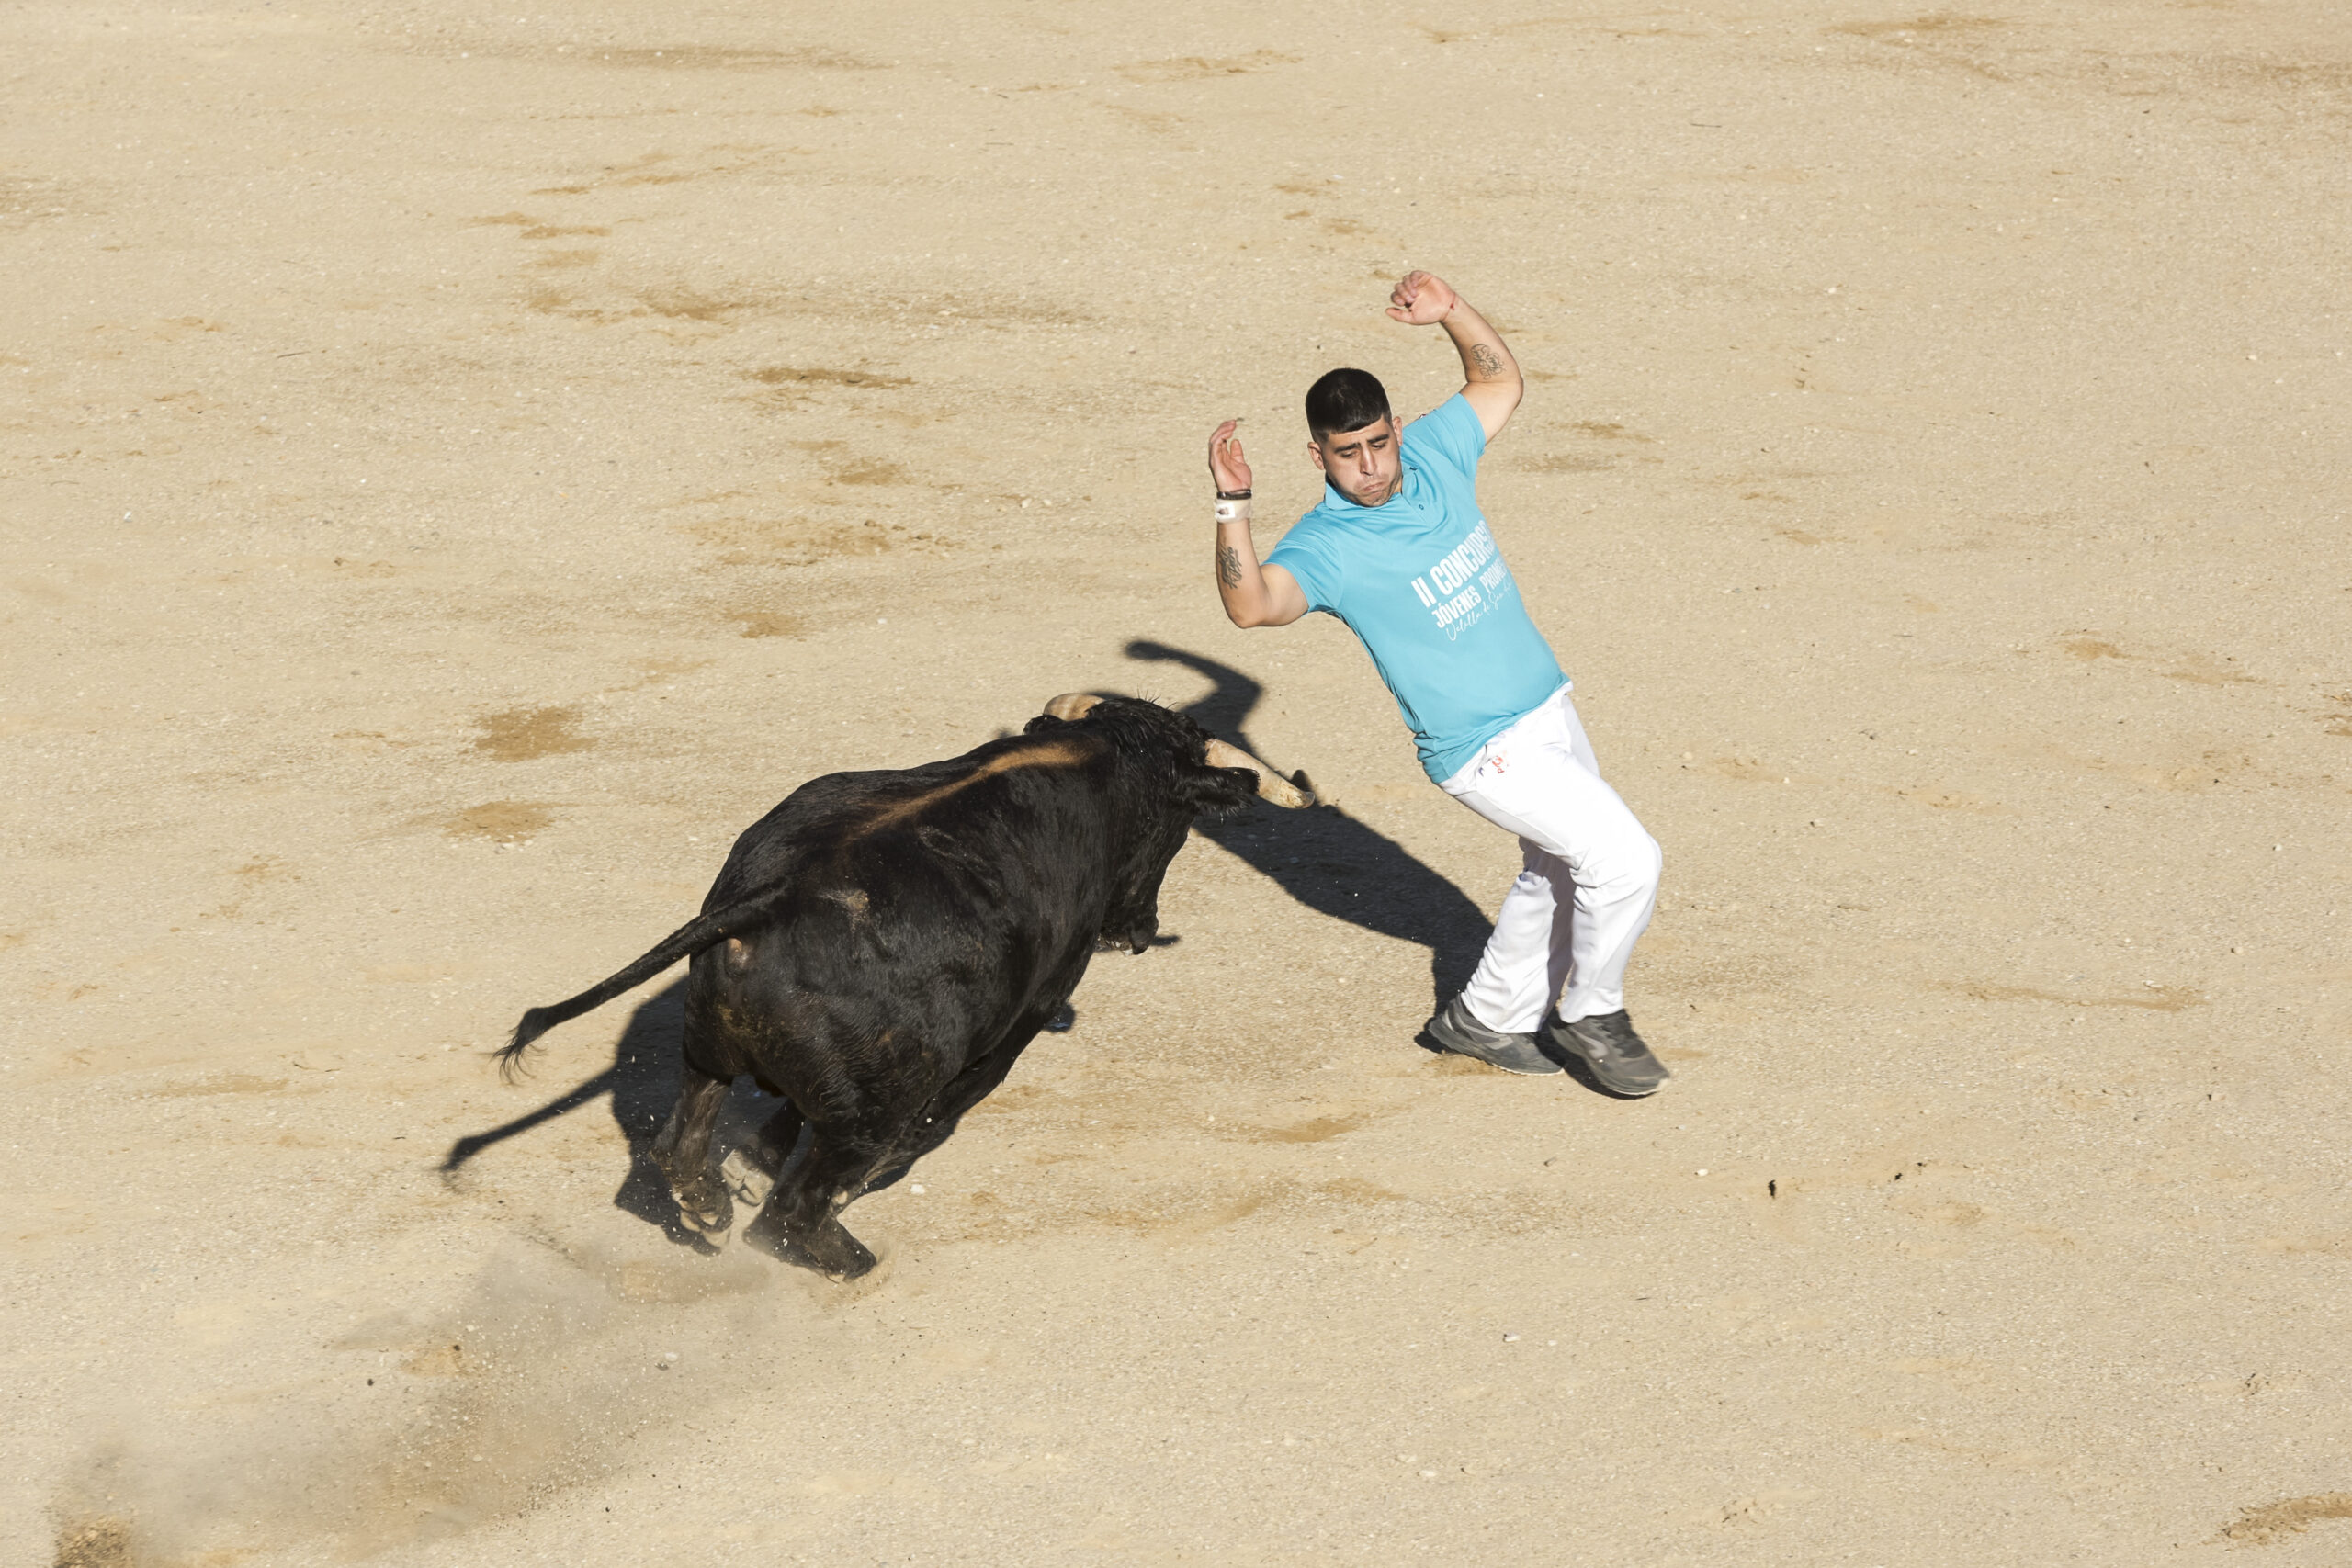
x=1254 y=595
x=1493 y=386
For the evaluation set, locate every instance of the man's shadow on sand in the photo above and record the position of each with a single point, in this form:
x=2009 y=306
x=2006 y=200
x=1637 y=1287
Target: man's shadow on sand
x=1324 y=858
x=1329 y=861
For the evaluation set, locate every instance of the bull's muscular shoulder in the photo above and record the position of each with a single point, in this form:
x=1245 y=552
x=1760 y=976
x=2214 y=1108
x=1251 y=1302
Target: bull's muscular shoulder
x=808 y=833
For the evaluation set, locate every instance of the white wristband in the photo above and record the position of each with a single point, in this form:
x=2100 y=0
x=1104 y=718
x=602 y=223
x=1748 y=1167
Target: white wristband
x=1232 y=510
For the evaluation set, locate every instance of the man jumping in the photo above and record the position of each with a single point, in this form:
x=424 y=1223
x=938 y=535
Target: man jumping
x=1398 y=551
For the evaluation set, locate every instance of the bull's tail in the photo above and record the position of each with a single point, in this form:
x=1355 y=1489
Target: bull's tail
x=702 y=931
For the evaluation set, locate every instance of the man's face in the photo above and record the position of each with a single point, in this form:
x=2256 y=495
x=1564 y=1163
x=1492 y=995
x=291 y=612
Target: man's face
x=1362 y=465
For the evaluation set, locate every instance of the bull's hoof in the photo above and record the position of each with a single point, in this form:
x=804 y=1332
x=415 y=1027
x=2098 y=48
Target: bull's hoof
x=704 y=1206
x=832 y=1251
x=746 y=1177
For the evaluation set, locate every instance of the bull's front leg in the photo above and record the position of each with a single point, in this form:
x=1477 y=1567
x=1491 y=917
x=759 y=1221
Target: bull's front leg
x=938 y=1120
x=681 y=1151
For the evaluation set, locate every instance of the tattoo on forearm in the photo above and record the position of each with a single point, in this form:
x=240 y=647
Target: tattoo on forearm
x=1489 y=364
x=1228 y=566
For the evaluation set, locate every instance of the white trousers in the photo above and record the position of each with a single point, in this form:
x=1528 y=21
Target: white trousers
x=1568 y=924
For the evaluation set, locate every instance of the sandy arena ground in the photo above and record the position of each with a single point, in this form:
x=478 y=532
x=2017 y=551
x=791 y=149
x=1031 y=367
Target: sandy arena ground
x=460 y=465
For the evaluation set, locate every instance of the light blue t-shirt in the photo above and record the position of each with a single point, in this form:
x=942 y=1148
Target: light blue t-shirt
x=1421 y=584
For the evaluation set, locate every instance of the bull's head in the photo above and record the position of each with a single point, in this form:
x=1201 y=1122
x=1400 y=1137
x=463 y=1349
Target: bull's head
x=1292 y=793
x=1181 y=771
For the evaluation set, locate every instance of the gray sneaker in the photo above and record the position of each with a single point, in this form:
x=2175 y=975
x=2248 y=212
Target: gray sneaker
x=1607 y=1044
x=1455 y=1029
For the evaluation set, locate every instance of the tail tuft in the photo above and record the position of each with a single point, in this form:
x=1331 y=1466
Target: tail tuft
x=513 y=1056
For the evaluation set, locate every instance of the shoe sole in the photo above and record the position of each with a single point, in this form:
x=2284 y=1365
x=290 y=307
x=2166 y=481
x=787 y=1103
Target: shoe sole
x=1622 y=1091
x=1470 y=1049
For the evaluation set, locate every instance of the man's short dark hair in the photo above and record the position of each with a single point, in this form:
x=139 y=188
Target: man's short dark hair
x=1345 y=399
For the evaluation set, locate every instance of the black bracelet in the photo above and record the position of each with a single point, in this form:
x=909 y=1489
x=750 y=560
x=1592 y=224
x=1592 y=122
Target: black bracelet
x=1233 y=495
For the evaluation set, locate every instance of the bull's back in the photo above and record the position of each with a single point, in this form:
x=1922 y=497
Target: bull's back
x=970 y=885
x=1028 y=803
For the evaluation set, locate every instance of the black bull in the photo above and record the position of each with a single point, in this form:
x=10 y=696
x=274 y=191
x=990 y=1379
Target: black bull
x=879 y=949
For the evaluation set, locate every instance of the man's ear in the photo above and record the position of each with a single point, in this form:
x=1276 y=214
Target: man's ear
x=1315 y=453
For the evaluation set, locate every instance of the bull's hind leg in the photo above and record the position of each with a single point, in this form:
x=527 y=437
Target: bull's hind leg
x=750 y=1170
x=773 y=1144
x=682 y=1152
x=801 y=1223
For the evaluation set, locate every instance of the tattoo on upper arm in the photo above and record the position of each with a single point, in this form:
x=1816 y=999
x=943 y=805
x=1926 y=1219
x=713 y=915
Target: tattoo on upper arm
x=1228 y=566
x=1487 y=361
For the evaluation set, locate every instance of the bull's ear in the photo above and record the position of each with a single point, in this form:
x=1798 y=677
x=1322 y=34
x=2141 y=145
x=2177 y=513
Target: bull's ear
x=1220 y=789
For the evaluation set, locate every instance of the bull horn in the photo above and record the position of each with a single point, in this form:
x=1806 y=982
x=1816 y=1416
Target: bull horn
x=1272 y=785
x=1071 y=706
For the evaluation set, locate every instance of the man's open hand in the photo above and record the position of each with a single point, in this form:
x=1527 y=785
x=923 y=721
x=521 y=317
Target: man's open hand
x=1420 y=298
x=1227 y=466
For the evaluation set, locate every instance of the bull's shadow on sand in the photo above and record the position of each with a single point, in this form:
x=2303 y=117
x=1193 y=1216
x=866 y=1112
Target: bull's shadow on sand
x=641 y=1085
x=1324 y=858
